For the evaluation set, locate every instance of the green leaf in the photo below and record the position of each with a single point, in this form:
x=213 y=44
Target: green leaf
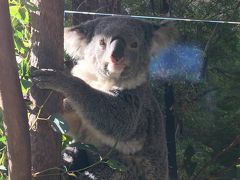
x=58 y=123
x=18 y=43
x=14 y=10
x=14 y=23
x=31 y=6
x=3 y=140
x=87 y=147
x=116 y=165
x=18 y=34
x=24 y=67
x=24 y=15
x=73 y=175
x=22 y=12
x=1 y=114
x=25 y=85
x=66 y=140
x=3 y=168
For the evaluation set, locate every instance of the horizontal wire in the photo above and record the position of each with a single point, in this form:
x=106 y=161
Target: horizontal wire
x=155 y=17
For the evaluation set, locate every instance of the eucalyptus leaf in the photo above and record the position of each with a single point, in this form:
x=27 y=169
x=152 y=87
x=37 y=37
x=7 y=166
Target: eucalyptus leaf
x=14 y=9
x=3 y=168
x=3 y=140
x=25 y=85
x=73 y=175
x=31 y=6
x=24 y=67
x=18 y=43
x=18 y=34
x=1 y=114
x=58 y=123
x=23 y=13
x=116 y=165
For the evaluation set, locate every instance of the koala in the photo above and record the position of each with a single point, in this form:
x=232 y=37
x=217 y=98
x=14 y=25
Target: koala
x=108 y=98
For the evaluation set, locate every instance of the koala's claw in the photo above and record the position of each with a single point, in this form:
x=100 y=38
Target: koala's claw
x=47 y=78
x=39 y=72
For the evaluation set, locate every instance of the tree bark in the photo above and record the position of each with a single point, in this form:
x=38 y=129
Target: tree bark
x=14 y=110
x=170 y=130
x=165 y=7
x=47 y=52
x=165 y=10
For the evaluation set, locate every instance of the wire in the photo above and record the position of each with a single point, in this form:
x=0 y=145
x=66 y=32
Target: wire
x=155 y=17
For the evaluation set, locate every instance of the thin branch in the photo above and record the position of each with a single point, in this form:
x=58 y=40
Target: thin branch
x=223 y=171
x=79 y=6
x=40 y=110
x=14 y=111
x=233 y=144
x=153 y=7
x=230 y=75
x=200 y=95
x=205 y=62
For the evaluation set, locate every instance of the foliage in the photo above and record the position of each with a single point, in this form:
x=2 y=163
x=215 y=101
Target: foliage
x=3 y=150
x=206 y=111
x=211 y=113
x=20 y=15
x=19 y=11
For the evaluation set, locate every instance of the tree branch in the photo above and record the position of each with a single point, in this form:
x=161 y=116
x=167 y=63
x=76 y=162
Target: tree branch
x=233 y=144
x=14 y=110
x=47 y=52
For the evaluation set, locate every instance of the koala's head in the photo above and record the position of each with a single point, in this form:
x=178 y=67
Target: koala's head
x=118 y=48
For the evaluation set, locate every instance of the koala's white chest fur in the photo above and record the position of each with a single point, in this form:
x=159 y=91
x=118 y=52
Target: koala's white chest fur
x=85 y=71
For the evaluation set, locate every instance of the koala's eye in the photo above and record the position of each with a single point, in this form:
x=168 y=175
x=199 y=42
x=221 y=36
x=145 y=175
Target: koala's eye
x=134 y=45
x=102 y=43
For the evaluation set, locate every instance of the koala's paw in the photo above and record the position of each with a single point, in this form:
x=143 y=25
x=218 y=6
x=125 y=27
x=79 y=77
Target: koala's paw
x=74 y=158
x=49 y=79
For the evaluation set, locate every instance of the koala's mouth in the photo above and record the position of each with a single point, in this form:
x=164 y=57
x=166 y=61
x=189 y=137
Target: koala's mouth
x=105 y=70
x=112 y=69
x=116 y=67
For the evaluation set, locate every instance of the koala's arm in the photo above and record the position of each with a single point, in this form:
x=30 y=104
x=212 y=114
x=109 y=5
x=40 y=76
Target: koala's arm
x=113 y=114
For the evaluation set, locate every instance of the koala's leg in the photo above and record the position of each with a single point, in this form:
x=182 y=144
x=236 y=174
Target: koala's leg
x=139 y=168
x=74 y=158
x=103 y=172
x=73 y=122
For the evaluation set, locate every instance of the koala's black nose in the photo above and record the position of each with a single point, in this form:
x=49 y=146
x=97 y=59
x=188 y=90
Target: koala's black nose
x=118 y=46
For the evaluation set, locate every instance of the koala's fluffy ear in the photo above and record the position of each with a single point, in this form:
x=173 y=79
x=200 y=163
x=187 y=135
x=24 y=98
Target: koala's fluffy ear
x=164 y=35
x=76 y=38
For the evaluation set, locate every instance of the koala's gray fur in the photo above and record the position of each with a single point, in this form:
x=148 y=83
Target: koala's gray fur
x=111 y=97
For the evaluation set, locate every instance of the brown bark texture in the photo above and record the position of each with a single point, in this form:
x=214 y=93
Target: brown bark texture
x=14 y=110
x=47 y=52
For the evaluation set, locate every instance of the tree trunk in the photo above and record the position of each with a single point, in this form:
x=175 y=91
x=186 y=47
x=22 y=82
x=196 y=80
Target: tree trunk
x=169 y=111
x=165 y=7
x=47 y=52
x=170 y=130
x=14 y=110
x=105 y=6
